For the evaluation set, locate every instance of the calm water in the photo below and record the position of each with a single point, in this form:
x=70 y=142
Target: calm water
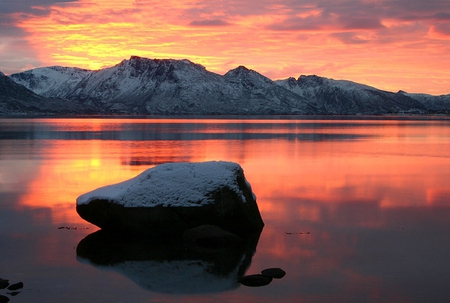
x=355 y=210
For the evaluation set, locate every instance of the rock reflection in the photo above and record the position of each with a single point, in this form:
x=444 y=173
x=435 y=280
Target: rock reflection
x=168 y=266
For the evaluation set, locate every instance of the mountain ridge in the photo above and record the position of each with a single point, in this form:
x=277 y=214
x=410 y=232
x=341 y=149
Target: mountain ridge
x=16 y=99
x=141 y=86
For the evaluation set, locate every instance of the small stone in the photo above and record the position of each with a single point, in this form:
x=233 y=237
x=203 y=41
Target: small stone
x=3 y=299
x=3 y=283
x=13 y=293
x=15 y=286
x=255 y=280
x=276 y=273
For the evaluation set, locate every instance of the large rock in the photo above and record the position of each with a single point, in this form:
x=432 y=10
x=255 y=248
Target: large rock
x=173 y=197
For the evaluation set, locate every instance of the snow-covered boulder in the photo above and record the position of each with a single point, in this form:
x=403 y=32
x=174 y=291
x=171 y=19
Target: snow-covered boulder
x=173 y=197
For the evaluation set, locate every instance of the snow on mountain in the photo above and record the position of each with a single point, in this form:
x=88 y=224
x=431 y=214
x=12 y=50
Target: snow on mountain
x=51 y=81
x=180 y=87
x=11 y=95
x=145 y=86
x=432 y=103
x=254 y=92
x=125 y=88
x=346 y=97
x=16 y=99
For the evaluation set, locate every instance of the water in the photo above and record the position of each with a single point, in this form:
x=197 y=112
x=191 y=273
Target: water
x=356 y=210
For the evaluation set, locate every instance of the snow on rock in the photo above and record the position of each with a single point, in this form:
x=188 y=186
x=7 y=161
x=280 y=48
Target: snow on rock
x=173 y=197
x=170 y=184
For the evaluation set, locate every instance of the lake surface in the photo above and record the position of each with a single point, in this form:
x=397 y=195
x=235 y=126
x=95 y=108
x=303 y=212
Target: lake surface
x=355 y=210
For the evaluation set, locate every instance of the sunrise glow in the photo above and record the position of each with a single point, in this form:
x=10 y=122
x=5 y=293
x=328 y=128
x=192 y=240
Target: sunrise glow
x=390 y=45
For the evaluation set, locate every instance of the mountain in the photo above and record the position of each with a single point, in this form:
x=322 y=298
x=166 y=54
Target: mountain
x=434 y=104
x=51 y=81
x=141 y=86
x=168 y=87
x=346 y=97
x=16 y=99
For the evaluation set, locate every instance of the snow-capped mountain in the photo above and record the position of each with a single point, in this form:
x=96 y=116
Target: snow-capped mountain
x=141 y=86
x=438 y=104
x=51 y=81
x=145 y=86
x=16 y=99
x=346 y=97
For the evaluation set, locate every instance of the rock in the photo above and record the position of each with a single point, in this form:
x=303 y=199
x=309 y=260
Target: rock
x=172 y=197
x=3 y=299
x=255 y=280
x=15 y=286
x=276 y=273
x=3 y=283
x=208 y=238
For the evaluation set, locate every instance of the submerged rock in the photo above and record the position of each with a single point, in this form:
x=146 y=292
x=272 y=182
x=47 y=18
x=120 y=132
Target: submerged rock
x=255 y=280
x=15 y=286
x=276 y=273
x=3 y=283
x=171 y=198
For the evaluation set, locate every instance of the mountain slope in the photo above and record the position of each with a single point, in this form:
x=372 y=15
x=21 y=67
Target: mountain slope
x=346 y=97
x=16 y=99
x=434 y=104
x=51 y=81
x=255 y=92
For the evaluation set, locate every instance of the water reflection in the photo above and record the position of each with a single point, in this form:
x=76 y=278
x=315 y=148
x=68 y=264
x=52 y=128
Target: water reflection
x=168 y=266
x=354 y=210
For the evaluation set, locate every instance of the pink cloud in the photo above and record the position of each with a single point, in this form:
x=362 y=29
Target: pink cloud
x=359 y=40
x=209 y=22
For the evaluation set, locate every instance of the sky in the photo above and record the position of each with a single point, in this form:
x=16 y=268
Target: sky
x=389 y=44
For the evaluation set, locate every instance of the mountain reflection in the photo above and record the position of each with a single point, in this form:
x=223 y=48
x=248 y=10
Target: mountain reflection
x=168 y=266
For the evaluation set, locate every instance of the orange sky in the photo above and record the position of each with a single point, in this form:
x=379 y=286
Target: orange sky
x=389 y=44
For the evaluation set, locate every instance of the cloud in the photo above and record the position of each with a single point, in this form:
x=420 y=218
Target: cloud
x=329 y=16
x=14 y=52
x=299 y=24
x=35 y=7
x=276 y=37
x=442 y=16
x=326 y=23
x=229 y=8
x=209 y=22
x=350 y=38
x=443 y=28
x=361 y=23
